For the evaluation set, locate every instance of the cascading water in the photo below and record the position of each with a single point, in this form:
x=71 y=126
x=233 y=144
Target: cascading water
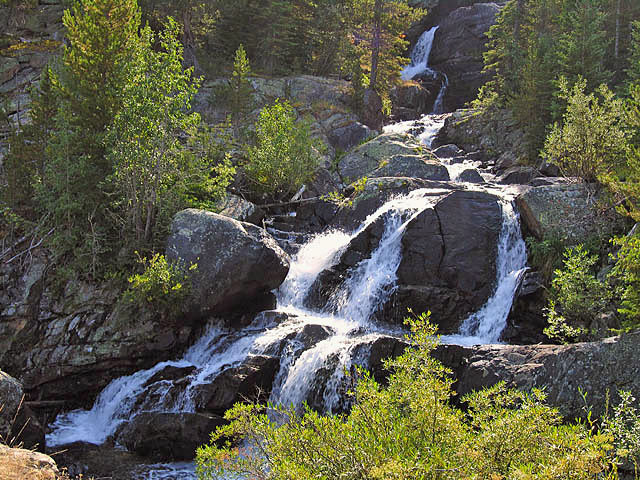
x=420 y=66
x=420 y=56
x=486 y=325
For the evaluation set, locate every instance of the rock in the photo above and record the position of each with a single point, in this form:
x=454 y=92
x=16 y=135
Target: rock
x=497 y=138
x=372 y=111
x=457 y=51
x=381 y=349
x=20 y=464
x=568 y=211
x=518 y=176
x=380 y=152
x=167 y=436
x=413 y=166
x=470 y=175
x=237 y=262
x=19 y=426
x=240 y=209
x=10 y=399
x=346 y=137
x=598 y=368
x=250 y=381
x=448 y=259
x=448 y=151
x=411 y=100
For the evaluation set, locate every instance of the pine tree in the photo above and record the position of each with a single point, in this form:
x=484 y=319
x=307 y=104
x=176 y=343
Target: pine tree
x=240 y=89
x=582 y=48
x=633 y=72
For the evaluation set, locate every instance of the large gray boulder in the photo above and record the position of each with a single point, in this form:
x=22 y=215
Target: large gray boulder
x=457 y=51
x=238 y=264
x=570 y=211
x=391 y=155
x=10 y=399
x=448 y=261
x=597 y=368
x=18 y=423
x=168 y=436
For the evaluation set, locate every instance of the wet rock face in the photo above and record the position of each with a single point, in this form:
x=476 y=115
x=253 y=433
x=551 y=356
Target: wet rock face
x=598 y=368
x=448 y=260
x=391 y=155
x=237 y=263
x=457 y=51
x=567 y=210
x=168 y=436
x=250 y=381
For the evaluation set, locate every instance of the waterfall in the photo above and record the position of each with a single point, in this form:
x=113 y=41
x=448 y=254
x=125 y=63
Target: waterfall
x=420 y=56
x=316 y=371
x=420 y=65
x=486 y=325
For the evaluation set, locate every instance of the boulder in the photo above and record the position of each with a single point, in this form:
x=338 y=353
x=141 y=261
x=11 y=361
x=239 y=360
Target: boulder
x=386 y=150
x=470 y=175
x=21 y=464
x=372 y=115
x=250 y=381
x=597 y=368
x=448 y=259
x=518 y=176
x=18 y=423
x=457 y=51
x=448 y=151
x=240 y=209
x=570 y=211
x=10 y=399
x=238 y=263
x=167 y=436
x=344 y=138
x=413 y=166
x=410 y=100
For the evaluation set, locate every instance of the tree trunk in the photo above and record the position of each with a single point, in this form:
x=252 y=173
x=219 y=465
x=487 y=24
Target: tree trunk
x=189 y=42
x=375 y=43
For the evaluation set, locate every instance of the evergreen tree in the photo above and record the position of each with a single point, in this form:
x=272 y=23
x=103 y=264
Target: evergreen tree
x=240 y=89
x=582 y=47
x=633 y=72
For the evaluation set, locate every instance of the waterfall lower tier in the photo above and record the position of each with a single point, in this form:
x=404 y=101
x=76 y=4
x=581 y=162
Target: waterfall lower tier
x=310 y=351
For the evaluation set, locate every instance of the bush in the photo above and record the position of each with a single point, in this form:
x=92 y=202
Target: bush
x=577 y=296
x=627 y=271
x=592 y=141
x=283 y=158
x=162 y=286
x=409 y=430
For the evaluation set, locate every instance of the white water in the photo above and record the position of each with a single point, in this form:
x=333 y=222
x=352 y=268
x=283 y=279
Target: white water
x=420 y=56
x=486 y=325
x=424 y=129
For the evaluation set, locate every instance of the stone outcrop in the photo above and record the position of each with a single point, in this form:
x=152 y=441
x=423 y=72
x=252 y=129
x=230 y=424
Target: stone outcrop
x=570 y=211
x=10 y=399
x=596 y=368
x=448 y=259
x=237 y=263
x=391 y=155
x=168 y=436
x=250 y=381
x=21 y=464
x=18 y=423
x=457 y=51
x=240 y=209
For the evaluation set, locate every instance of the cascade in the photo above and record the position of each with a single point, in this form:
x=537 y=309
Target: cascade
x=420 y=65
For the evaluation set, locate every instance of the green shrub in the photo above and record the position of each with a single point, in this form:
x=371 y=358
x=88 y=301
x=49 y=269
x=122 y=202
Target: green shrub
x=162 y=286
x=627 y=271
x=409 y=430
x=283 y=158
x=577 y=297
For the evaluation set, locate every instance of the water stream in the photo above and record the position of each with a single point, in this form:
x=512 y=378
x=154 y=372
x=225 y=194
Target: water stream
x=347 y=318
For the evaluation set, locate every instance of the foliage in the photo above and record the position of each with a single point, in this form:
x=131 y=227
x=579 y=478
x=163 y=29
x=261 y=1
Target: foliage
x=623 y=425
x=577 y=297
x=283 y=158
x=546 y=255
x=633 y=72
x=152 y=166
x=162 y=285
x=592 y=141
x=240 y=89
x=627 y=271
x=409 y=430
